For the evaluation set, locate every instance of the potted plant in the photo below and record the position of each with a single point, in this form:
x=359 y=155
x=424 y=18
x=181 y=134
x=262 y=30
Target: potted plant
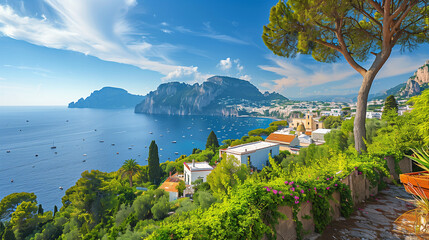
x=418 y=180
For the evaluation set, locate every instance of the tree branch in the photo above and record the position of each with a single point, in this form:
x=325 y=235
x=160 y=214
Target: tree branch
x=345 y=51
x=404 y=14
x=399 y=9
x=377 y=7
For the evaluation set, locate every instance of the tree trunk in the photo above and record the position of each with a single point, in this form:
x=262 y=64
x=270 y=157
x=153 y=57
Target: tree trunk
x=362 y=100
x=130 y=178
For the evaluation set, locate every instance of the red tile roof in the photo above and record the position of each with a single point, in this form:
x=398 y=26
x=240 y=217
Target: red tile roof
x=282 y=138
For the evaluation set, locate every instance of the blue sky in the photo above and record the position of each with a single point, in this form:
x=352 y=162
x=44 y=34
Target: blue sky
x=56 y=51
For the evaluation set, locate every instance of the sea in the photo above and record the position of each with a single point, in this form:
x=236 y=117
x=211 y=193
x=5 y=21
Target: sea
x=43 y=149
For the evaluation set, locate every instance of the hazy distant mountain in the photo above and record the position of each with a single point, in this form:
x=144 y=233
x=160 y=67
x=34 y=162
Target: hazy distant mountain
x=216 y=96
x=108 y=98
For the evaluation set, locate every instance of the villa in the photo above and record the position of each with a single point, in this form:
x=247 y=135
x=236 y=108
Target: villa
x=310 y=123
x=196 y=170
x=256 y=153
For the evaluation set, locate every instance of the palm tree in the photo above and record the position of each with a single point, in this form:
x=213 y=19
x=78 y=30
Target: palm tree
x=129 y=168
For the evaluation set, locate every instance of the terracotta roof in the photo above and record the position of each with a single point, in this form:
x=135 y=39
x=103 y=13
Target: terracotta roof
x=308 y=133
x=169 y=186
x=284 y=138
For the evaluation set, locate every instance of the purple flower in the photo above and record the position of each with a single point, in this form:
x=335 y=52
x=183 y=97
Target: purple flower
x=283 y=197
x=356 y=168
x=293 y=189
x=296 y=202
x=268 y=189
x=302 y=191
x=360 y=173
x=315 y=189
x=336 y=184
x=327 y=188
x=280 y=192
x=296 y=197
x=286 y=182
x=308 y=201
x=291 y=194
x=297 y=186
x=274 y=191
x=290 y=183
x=320 y=195
x=327 y=179
x=385 y=158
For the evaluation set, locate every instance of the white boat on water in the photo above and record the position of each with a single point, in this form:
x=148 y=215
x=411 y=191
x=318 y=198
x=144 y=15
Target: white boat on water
x=61 y=188
x=176 y=153
x=173 y=142
x=84 y=154
x=150 y=132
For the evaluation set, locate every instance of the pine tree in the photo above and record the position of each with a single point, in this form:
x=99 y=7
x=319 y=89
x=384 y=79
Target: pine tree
x=40 y=210
x=212 y=141
x=154 y=170
x=390 y=104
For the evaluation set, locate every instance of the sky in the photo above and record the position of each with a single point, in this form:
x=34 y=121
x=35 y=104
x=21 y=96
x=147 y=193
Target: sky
x=56 y=51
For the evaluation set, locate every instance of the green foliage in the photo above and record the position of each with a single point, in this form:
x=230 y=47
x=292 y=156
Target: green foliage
x=212 y=142
x=279 y=123
x=161 y=208
x=421 y=158
x=243 y=140
x=2 y=229
x=8 y=234
x=204 y=199
x=267 y=131
x=420 y=114
x=153 y=162
x=390 y=105
x=226 y=175
x=332 y=122
x=181 y=187
x=40 y=210
x=336 y=140
x=9 y=203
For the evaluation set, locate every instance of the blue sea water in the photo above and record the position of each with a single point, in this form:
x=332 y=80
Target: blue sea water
x=87 y=139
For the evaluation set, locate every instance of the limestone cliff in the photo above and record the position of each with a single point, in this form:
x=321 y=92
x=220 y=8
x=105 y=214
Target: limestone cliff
x=108 y=98
x=216 y=96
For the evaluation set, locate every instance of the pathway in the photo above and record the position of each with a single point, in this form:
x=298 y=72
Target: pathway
x=374 y=219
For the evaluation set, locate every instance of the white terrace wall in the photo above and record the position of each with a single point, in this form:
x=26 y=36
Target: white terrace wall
x=360 y=190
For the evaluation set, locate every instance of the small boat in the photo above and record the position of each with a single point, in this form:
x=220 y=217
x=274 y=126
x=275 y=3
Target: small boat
x=67 y=120
x=113 y=144
x=173 y=142
x=95 y=130
x=168 y=158
x=84 y=160
x=189 y=127
x=176 y=153
x=183 y=136
x=117 y=152
x=145 y=146
x=11 y=180
x=130 y=148
x=61 y=188
x=161 y=149
x=8 y=151
x=34 y=166
x=102 y=141
x=36 y=155
x=84 y=154
x=150 y=132
x=160 y=135
x=53 y=147
x=55 y=152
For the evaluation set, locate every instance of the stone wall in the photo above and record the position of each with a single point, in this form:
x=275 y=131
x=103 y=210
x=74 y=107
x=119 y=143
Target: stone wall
x=360 y=190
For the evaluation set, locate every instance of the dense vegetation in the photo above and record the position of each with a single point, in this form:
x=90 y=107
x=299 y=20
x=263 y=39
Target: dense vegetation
x=234 y=203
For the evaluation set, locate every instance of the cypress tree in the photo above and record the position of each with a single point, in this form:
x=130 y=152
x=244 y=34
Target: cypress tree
x=212 y=141
x=55 y=209
x=390 y=104
x=154 y=170
x=40 y=210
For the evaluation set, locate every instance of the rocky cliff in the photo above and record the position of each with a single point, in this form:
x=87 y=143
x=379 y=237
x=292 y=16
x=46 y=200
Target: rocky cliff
x=216 y=96
x=417 y=83
x=108 y=98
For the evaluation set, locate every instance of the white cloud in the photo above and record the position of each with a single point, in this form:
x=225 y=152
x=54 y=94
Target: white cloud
x=238 y=65
x=187 y=74
x=166 y=31
x=225 y=64
x=245 y=77
x=297 y=74
x=97 y=28
x=164 y=24
x=398 y=65
x=210 y=33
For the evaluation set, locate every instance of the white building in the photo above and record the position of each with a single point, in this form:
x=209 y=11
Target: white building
x=255 y=152
x=319 y=134
x=373 y=115
x=196 y=170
